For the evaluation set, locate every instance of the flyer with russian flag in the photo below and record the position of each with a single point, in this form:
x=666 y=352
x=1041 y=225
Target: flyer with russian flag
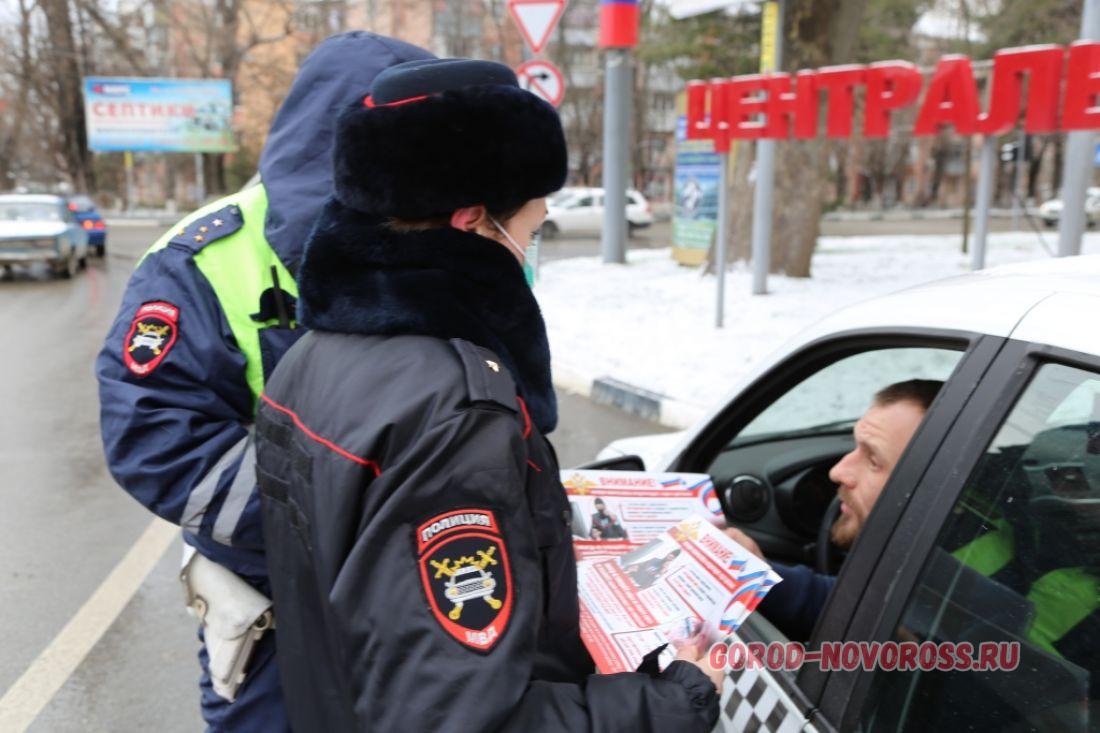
x=690 y=581
x=615 y=512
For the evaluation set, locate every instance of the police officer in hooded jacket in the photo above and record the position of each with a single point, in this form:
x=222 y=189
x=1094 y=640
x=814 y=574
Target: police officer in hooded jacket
x=207 y=314
x=418 y=538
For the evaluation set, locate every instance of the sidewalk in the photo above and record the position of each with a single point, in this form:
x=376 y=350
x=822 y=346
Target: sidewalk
x=641 y=336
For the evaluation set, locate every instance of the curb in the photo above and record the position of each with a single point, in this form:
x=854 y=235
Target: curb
x=629 y=398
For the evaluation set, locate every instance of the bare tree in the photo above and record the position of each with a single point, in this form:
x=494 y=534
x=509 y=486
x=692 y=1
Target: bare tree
x=16 y=57
x=217 y=37
x=64 y=93
x=817 y=33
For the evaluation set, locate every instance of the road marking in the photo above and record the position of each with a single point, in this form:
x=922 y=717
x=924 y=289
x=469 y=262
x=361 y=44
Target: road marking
x=37 y=685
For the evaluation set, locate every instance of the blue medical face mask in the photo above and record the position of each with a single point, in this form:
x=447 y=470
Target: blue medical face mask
x=528 y=270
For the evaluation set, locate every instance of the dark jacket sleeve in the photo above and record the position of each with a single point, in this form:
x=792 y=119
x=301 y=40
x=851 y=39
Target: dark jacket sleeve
x=405 y=670
x=176 y=437
x=794 y=605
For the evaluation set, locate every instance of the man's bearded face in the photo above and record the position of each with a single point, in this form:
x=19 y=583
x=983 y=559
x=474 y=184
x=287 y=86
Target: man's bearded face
x=881 y=437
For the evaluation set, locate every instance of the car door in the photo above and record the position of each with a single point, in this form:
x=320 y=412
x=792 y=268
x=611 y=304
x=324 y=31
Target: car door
x=769 y=452
x=576 y=213
x=593 y=213
x=1000 y=543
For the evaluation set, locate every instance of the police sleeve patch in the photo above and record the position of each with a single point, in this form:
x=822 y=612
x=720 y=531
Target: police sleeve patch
x=152 y=335
x=466 y=576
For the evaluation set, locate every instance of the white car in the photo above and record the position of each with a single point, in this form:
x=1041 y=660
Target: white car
x=1010 y=448
x=41 y=228
x=580 y=211
x=1051 y=211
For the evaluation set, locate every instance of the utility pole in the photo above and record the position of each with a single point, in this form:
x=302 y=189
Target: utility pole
x=771 y=28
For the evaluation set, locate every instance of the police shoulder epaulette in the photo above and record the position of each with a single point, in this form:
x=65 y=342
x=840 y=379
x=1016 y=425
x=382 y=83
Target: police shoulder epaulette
x=209 y=228
x=487 y=379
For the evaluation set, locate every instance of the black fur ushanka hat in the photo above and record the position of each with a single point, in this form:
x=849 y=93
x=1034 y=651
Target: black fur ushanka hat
x=441 y=134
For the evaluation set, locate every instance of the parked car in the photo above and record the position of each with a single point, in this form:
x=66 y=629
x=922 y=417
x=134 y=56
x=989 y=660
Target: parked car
x=580 y=210
x=41 y=228
x=1011 y=444
x=85 y=211
x=1051 y=211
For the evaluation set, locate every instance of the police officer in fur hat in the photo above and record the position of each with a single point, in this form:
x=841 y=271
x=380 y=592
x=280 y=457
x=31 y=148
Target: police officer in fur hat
x=417 y=536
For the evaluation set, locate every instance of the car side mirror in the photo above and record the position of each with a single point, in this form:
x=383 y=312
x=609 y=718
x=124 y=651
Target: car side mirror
x=619 y=463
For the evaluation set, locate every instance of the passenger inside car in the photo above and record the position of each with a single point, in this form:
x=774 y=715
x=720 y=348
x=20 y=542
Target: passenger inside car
x=881 y=436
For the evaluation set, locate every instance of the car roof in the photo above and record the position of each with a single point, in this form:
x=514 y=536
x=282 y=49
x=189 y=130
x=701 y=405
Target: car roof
x=992 y=301
x=31 y=198
x=1048 y=302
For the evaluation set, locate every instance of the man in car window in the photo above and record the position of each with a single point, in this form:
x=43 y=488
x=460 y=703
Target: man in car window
x=881 y=436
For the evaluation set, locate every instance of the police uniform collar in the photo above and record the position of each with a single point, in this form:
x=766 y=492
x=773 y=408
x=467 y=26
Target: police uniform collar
x=359 y=276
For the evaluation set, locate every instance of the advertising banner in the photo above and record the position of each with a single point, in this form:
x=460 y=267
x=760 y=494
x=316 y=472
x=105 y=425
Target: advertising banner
x=695 y=216
x=162 y=115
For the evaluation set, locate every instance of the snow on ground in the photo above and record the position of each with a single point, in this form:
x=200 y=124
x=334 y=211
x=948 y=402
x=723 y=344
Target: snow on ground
x=650 y=323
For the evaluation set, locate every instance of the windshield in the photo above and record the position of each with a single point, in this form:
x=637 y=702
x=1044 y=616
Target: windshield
x=562 y=197
x=24 y=211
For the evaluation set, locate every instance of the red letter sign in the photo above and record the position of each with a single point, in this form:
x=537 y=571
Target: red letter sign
x=1082 y=86
x=841 y=82
x=951 y=98
x=1009 y=66
x=890 y=85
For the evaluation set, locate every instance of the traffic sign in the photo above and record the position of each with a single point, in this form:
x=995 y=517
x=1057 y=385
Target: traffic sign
x=536 y=19
x=543 y=79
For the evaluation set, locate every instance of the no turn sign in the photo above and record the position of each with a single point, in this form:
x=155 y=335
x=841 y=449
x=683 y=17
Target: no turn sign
x=542 y=78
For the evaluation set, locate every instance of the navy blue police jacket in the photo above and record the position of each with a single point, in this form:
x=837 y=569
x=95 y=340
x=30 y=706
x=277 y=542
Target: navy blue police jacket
x=417 y=533
x=178 y=436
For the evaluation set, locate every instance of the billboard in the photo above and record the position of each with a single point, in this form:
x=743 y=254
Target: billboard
x=163 y=115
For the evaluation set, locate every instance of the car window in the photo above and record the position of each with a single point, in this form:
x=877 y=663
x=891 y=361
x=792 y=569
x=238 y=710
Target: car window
x=1016 y=562
x=23 y=211
x=581 y=201
x=836 y=396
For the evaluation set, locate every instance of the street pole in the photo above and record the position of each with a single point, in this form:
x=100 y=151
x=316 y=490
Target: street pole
x=987 y=170
x=128 y=163
x=200 y=179
x=616 y=127
x=765 y=158
x=1079 y=159
x=721 y=241
x=1017 y=197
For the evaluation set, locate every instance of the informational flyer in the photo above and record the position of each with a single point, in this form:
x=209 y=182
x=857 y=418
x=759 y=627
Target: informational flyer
x=615 y=512
x=688 y=582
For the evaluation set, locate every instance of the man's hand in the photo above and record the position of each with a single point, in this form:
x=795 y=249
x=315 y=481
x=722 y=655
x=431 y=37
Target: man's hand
x=689 y=651
x=744 y=540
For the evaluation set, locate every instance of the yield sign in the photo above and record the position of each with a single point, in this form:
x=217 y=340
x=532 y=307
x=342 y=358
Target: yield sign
x=536 y=19
x=543 y=79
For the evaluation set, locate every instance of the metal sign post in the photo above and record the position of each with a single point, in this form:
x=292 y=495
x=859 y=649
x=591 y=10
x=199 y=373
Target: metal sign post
x=721 y=237
x=771 y=55
x=619 y=21
x=987 y=171
x=616 y=123
x=1079 y=155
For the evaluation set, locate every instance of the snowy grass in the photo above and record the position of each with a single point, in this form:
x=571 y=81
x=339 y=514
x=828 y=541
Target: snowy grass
x=651 y=322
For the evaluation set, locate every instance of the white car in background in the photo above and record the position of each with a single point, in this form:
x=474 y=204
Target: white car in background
x=41 y=228
x=579 y=210
x=1010 y=445
x=1051 y=211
